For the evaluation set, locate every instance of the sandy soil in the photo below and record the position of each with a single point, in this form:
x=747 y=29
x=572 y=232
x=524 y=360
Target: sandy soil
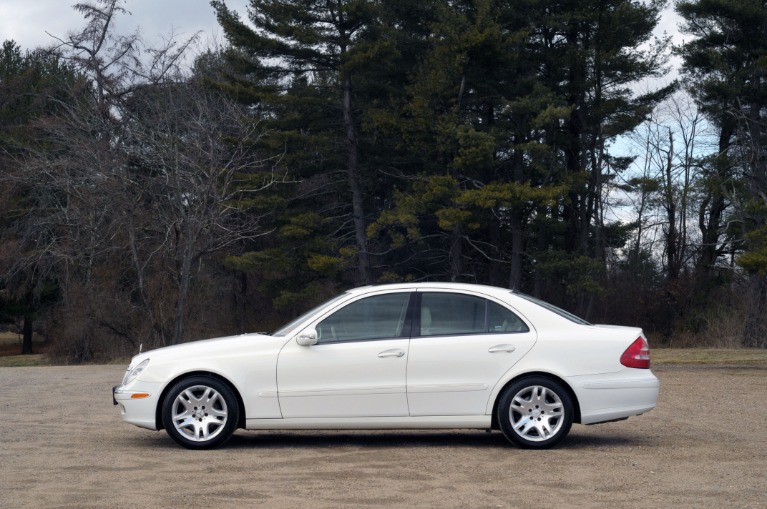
x=63 y=445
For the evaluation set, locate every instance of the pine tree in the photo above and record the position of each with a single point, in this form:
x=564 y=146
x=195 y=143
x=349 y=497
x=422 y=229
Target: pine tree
x=727 y=64
x=513 y=110
x=33 y=85
x=301 y=61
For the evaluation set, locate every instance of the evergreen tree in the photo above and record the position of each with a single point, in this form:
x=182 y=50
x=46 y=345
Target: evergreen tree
x=475 y=139
x=33 y=85
x=590 y=56
x=727 y=64
x=301 y=64
x=513 y=110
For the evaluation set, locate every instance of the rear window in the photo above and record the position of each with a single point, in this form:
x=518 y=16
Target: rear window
x=554 y=309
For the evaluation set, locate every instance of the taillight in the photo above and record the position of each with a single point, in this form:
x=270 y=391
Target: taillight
x=637 y=355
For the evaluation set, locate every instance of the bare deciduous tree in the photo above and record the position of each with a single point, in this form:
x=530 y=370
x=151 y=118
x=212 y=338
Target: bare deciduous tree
x=193 y=175
x=140 y=175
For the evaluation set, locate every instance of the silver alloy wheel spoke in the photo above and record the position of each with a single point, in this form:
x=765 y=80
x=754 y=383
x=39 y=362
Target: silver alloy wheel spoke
x=199 y=413
x=536 y=413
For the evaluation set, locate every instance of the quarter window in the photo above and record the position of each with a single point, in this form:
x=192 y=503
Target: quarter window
x=500 y=319
x=377 y=317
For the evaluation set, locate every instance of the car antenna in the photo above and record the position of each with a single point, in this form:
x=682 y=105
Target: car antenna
x=140 y=346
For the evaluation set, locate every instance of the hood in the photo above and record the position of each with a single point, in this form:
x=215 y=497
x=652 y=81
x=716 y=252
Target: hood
x=207 y=348
x=219 y=355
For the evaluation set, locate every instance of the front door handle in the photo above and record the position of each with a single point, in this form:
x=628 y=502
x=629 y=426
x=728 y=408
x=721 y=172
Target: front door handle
x=395 y=352
x=502 y=349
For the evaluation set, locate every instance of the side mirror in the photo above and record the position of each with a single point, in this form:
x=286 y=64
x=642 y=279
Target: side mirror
x=308 y=338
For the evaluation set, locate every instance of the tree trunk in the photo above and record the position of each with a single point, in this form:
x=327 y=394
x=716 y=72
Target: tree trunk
x=517 y=222
x=352 y=171
x=672 y=255
x=184 y=282
x=709 y=220
x=496 y=269
x=517 y=247
x=456 y=253
x=575 y=207
x=26 y=342
x=541 y=234
x=755 y=328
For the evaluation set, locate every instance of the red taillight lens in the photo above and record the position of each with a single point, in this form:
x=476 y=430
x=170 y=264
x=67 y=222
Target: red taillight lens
x=637 y=355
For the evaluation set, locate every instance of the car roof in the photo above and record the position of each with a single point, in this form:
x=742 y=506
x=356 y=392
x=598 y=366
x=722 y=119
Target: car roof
x=433 y=286
x=533 y=311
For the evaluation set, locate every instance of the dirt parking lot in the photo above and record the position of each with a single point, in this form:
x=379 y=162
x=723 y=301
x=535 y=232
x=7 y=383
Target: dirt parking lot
x=64 y=445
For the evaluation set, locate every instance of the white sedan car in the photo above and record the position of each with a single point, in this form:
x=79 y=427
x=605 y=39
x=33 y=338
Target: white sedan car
x=405 y=356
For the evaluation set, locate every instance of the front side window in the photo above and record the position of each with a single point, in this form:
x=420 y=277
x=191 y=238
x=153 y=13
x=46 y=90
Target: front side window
x=290 y=327
x=377 y=317
x=447 y=314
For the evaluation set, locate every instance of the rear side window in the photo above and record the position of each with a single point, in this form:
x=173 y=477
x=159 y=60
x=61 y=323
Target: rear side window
x=446 y=314
x=451 y=313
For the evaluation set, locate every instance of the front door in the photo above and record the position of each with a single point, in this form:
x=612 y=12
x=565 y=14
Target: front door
x=358 y=366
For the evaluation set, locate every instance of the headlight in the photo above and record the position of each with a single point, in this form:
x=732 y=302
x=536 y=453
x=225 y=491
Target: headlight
x=132 y=374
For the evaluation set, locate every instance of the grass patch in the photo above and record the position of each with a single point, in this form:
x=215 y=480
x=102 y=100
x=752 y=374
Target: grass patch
x=9 y=338
x=10 y=346
x=16 y=361
x=709 y=356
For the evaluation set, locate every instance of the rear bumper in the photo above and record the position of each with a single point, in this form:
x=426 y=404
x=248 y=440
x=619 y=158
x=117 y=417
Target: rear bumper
x=615 y=396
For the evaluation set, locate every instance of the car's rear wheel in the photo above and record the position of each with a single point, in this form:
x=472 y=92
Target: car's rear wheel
x=200 y=412
x=535 y=412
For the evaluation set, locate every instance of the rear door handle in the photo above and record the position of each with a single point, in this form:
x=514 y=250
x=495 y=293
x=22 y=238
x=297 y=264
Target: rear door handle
x=502 y=349
x=395 y=352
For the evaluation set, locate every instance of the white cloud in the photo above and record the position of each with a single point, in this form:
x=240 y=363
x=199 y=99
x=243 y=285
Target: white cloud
x=27 y=21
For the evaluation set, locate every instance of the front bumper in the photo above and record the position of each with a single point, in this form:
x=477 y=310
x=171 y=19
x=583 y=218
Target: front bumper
x=138 y=403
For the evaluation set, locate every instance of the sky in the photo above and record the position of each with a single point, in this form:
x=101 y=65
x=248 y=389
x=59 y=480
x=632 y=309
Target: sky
x=27 y=21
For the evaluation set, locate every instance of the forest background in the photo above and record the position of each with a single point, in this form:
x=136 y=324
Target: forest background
x=151 y=196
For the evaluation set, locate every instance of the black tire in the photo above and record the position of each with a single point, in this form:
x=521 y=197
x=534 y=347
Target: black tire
x=535 y=412
x=200 y=412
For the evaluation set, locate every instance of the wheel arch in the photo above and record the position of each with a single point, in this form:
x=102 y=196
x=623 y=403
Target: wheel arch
x=561 y=381
x=216 y=376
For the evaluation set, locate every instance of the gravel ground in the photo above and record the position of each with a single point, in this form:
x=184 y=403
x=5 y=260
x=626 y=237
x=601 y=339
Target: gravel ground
x=64 y=445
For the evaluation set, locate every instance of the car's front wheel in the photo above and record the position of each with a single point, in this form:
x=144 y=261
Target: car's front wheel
x=200 y=412
x=535 y=412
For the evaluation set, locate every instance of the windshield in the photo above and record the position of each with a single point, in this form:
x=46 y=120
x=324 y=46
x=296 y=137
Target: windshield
x=288 y=328
x=554 y=309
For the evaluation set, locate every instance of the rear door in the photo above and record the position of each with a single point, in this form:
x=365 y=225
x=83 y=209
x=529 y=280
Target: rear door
x=462 y=345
